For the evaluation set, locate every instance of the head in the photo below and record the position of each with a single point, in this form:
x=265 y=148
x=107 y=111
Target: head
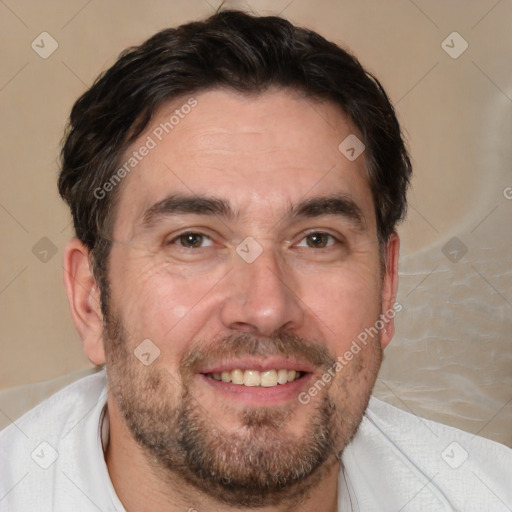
x=221 y=225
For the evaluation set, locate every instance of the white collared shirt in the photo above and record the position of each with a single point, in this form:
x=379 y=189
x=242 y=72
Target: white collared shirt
x=52 y=461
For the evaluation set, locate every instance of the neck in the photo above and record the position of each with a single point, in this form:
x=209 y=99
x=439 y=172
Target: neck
x=140 y=488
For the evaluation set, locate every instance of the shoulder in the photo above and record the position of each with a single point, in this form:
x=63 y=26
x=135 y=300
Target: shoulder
x=426 y=462
x=40 y=446
x=60 y=410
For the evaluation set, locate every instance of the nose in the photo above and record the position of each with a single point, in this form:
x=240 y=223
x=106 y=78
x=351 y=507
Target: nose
x=261 y=297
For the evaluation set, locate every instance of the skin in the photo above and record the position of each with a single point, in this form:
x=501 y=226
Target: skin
x=261 y=154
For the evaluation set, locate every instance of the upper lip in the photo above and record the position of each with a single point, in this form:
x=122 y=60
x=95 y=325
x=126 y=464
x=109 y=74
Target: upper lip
x=259 y=364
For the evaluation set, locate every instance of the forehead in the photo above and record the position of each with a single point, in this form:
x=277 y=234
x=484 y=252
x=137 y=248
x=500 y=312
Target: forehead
x=262 y=153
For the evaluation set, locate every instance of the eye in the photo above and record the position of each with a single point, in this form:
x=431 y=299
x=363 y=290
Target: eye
x=317 y=240
x=192 y=240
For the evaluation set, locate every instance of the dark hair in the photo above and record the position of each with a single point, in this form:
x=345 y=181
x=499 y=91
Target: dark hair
x=230 y=49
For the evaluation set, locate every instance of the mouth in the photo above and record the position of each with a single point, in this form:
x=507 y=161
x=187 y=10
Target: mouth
x=256 y=382
x=254 y=378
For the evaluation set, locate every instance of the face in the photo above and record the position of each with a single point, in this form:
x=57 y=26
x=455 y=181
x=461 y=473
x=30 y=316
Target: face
x=245 y=249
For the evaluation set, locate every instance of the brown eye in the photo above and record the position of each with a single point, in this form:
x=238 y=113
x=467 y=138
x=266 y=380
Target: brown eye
x=192 y=240
x=319 y=240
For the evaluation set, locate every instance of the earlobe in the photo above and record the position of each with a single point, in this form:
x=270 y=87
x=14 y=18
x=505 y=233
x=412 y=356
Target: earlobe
x=390 y=288
x=84 y=299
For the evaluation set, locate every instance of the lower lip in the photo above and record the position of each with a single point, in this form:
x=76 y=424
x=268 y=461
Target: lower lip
x=258 y=396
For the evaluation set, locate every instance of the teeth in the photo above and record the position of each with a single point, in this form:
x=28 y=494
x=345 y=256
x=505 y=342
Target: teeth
x=269 y=379
x=282 y=376
x=237 y=376
x=254 y=378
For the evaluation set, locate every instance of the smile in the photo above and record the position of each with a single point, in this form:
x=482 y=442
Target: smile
x=255 y=378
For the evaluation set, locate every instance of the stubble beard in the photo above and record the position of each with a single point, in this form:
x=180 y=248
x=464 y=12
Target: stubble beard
x=259 y=465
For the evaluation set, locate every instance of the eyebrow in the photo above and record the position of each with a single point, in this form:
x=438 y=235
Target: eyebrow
x=341 y=205
x=184 y=204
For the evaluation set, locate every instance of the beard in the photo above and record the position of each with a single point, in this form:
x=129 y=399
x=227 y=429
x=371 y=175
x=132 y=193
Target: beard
x=259 y=464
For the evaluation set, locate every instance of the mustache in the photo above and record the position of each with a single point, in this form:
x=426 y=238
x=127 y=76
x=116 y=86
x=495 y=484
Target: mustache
x=286 y=344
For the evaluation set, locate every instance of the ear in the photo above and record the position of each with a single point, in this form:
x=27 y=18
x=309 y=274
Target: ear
x=389 y=288
x=84 y=299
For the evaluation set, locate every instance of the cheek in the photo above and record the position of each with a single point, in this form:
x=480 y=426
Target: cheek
x=160 y=302
x=346 y=302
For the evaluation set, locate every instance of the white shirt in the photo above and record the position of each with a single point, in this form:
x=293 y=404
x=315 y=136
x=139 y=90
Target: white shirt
x=52 y=461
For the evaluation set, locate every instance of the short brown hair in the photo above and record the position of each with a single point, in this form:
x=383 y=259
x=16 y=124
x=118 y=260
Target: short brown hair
x=230 y=49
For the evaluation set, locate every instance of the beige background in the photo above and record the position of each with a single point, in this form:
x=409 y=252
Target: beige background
x=451 y=359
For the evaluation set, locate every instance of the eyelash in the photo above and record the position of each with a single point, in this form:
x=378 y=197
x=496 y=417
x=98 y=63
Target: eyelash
x=333 y=239
x=185 y=233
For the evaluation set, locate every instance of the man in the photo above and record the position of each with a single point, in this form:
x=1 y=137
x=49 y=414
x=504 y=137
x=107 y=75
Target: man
x=235 y=185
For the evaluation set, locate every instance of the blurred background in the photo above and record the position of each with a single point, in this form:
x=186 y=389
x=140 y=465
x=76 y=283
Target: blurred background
x=446 y=67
